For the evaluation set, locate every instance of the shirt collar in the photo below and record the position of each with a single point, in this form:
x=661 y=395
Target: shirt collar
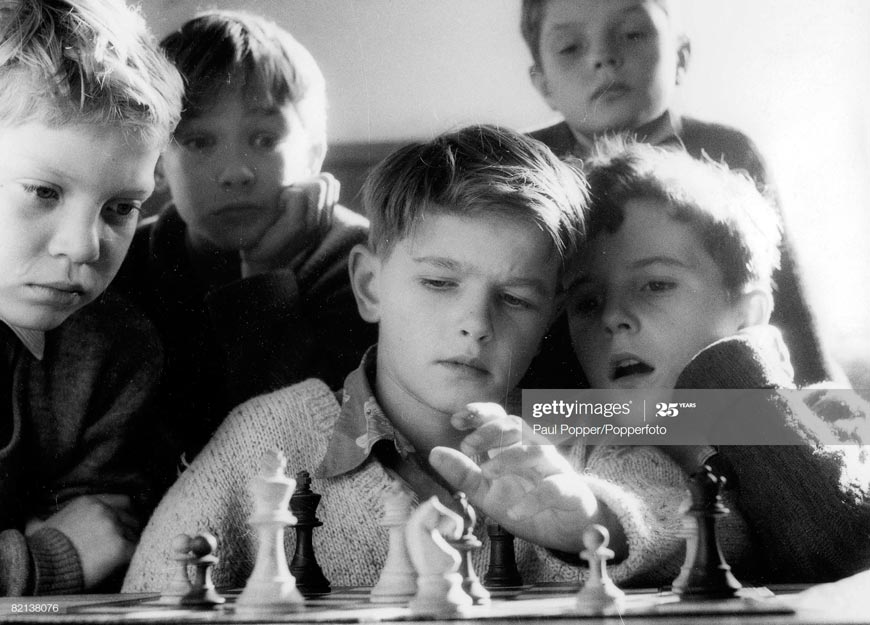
x=33 y=340
x=360 y=424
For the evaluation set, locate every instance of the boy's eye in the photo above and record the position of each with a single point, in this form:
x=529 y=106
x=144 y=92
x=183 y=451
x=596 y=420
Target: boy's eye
x=586 y=304
x=42 y=192
x=569 y=49
x=265 y=140
x=437 y=284
x=196 y=142
x=659 y=286
x=635 y=35
x=513 y=301
x=121 y=211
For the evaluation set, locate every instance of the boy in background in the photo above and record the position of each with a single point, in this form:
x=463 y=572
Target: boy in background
x=86 y=104
x=610 y=66
x=673 y=290
x=458 y=322
x=245 y=271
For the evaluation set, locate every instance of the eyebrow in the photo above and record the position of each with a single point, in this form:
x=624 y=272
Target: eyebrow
x=641 y=263
x=537 y=284
x=660 y=260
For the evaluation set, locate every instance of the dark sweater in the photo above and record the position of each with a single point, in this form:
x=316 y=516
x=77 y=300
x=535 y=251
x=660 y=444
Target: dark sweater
x=792 y=312
x=806 y=504
x=77 y=420
x=228 y=339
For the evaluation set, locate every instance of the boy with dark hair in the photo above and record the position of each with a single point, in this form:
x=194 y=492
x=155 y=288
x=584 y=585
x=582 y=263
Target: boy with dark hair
x=673 y=290
x=87 y=103
x=245 y=271
x=470 y=232
x=611 y=66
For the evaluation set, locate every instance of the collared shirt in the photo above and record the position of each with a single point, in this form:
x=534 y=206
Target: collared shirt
x=33 y=340
x=360 y=425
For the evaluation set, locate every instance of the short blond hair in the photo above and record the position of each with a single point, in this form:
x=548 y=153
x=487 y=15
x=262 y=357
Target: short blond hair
x=85 y=62
x=477 y=169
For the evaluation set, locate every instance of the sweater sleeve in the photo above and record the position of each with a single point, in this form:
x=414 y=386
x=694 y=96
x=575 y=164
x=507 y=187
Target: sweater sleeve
x=806 y=503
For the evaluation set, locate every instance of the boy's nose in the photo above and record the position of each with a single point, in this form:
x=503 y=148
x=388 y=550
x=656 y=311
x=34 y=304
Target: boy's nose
x=617 y=318
x=236 y=176
x=76 y=236
x=605 y=53
x=476 y=323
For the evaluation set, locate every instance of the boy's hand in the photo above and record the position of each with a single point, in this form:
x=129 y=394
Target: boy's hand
x=304 y=218
x=103 y=530
x=525 y=485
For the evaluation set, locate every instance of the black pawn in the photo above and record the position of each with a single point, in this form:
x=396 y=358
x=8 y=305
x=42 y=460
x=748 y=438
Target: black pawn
x=502 y=572
x=705 y=574
x=202 y=593
x=467 y=543
x=310 y=579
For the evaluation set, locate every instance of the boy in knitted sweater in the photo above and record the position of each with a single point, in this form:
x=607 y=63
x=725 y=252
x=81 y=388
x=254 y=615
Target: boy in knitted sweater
x=462 y=271
x=611 y=66
x=86 y=104
x=244 y=271
x=674 y=291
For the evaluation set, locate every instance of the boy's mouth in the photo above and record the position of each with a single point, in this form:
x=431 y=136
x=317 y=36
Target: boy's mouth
x=470 y=365
x=611 y=89
x=625 y=367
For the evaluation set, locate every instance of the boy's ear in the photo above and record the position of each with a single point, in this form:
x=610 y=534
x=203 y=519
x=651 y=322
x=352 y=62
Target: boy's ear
x=316 y=154
x=364 y=267
x=684 y=54
x=539 y=80
x=754 y=308
x=160 y=183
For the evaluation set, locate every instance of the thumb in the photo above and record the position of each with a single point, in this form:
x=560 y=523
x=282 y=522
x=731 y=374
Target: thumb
x=457 y=468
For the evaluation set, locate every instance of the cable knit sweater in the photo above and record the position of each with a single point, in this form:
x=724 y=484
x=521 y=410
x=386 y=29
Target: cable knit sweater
x=641 y=485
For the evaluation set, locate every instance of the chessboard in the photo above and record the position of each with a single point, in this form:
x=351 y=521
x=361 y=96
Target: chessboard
x=551 y=602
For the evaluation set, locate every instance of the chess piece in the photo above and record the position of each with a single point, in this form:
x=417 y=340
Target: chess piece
x=599 y=592
x=271 y=587
x=398 y=580
x=502 y=572
x=467 y=543
x=705 y=574
x=439 y=584
x=179 y=585
x=310 y=579
x=202 y=593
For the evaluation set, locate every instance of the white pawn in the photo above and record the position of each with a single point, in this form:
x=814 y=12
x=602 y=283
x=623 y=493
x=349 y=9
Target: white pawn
x=599 y=592
x=398 y=580
x=439 y=584
x=271 y=586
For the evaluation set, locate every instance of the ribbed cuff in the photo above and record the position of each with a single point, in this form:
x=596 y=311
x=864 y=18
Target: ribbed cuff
x=15 y=564
x=57 y=568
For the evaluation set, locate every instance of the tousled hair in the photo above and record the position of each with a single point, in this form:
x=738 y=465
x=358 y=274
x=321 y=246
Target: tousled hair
x=219 y=48
x=85 y=62
x=737 y=225
x=470 y=171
